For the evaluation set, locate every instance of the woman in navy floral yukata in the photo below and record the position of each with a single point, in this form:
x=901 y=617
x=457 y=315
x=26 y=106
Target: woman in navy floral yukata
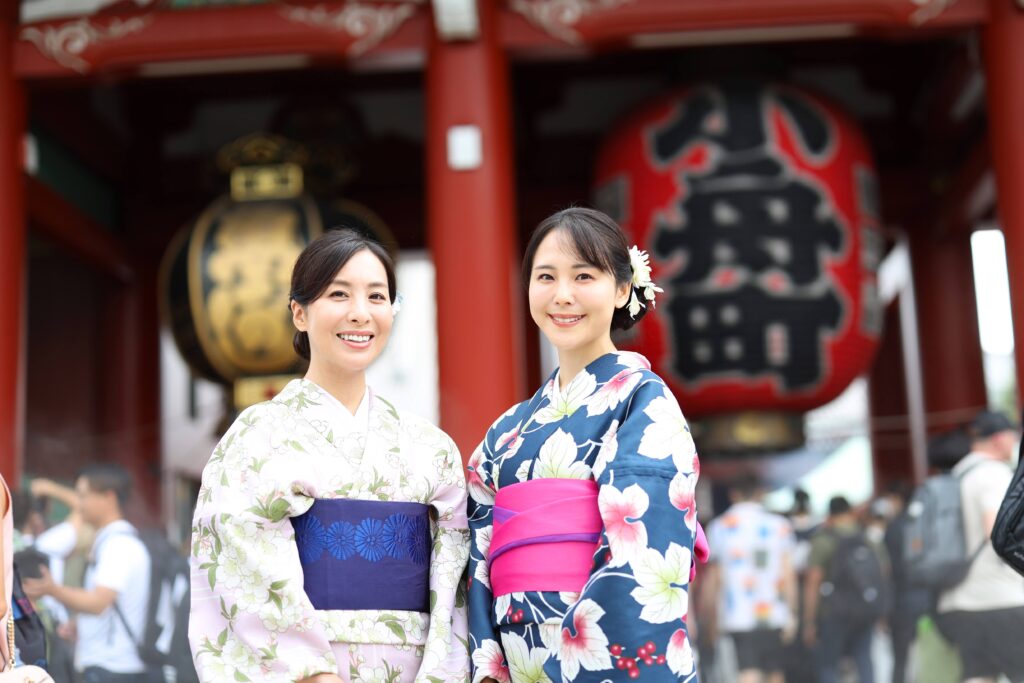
x=581 y=506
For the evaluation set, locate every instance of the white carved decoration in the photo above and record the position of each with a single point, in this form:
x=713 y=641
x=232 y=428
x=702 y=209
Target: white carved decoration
x=456 y=19
x=558 y=17
x=65 y=43
x=926 y=10
x=368 y=24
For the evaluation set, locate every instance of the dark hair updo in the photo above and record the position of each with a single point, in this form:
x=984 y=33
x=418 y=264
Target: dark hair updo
x=321 y=260
x=597 y=240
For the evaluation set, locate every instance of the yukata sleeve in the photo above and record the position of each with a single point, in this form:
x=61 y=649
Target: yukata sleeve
x=250 y=618
x=630 y=617
x=446 y=655
x=486 y=653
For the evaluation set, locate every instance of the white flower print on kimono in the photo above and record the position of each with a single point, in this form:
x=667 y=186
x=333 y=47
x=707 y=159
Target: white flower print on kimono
x=251 y=618
x=617 y=425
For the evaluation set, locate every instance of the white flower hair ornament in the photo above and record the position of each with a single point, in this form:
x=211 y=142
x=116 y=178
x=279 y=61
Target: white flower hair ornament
x=639 y=261
x=396 y=305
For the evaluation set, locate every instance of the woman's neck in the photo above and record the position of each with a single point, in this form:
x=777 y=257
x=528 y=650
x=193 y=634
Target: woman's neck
x=570 y=363
x=349 y=389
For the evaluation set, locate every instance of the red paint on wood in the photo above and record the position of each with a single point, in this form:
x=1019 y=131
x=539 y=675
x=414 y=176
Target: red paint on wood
x=471 y=235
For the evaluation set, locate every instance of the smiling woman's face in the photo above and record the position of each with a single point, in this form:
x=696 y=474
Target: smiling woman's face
x=349 y=324
x=572 y=302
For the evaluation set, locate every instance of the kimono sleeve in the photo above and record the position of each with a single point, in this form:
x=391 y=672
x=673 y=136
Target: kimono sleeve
x=484 y=642
x=250 y=618
x=635 y=603
x=445 y=655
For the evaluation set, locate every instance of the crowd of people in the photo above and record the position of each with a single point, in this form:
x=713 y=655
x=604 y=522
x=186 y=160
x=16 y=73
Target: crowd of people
x=83 y=589
x=337 y=537
x=802 y=601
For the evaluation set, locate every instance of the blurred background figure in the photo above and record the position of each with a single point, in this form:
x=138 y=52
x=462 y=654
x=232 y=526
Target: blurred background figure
x=909 y=603
x=112 y=604
x=800 y=664
x=983 y=616
x=29 y=518
x=50 y=549
x=845 y=593
x=751 y=583
x=934 y=658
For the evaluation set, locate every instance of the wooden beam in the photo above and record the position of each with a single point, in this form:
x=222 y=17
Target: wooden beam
x=534 y=26
x=66 y=226
x=221 y=40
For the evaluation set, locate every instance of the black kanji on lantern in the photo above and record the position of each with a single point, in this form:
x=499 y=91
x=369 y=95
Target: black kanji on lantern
x=752 y=297
x=749 y=331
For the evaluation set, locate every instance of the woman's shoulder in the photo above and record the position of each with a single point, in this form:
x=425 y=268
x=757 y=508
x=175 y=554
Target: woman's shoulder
x=633 y=363
x=255 y=419
x=260 y=412
x=515 y=413
x=413 y=423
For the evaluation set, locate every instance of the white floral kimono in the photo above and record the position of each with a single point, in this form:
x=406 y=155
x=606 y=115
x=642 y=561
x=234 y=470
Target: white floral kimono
x=251 y=618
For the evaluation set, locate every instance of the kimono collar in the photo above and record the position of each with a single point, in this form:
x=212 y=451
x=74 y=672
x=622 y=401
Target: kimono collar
x=321 y=409
x=602 y=367
x=362 y=415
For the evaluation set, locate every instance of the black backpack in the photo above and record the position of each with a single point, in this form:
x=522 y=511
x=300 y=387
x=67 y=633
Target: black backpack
x=935 y=553
x=29 y=632
x=164 y=643
x=1008 y=531
x=855 y=588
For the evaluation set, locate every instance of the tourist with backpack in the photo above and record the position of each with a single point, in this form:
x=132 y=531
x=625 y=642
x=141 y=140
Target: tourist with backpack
x=117 y=581
x=845 y=595
x=983 y=614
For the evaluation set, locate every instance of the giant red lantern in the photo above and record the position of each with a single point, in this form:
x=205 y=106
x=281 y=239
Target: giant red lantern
x=759 y=206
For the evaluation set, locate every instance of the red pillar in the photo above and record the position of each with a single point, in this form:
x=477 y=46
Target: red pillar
x=130 y=408
x=947 y=317
x=1003 y=42
x=12 y=252
x=471 y=234
x=891 y=446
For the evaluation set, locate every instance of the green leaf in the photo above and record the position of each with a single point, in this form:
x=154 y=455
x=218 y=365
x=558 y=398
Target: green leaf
x=278 y=510
x=278 y=585
x=397 y=629
x=212 y=576
x=433 y=600
x=239 y=676
x=222 y=639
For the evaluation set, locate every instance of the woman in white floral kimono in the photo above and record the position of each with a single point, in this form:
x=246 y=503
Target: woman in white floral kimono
x=330 y=534
x=581 y=498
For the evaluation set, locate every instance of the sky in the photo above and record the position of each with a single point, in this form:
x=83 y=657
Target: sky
x=993 y=291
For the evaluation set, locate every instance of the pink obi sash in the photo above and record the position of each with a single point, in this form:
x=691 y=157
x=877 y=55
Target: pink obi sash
x=545 y=535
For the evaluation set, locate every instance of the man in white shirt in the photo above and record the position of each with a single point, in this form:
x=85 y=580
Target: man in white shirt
x=117 y=579
x=751 y=580
x=984 y=614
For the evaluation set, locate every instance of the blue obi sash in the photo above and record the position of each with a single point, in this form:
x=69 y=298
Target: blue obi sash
x=365 y=554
